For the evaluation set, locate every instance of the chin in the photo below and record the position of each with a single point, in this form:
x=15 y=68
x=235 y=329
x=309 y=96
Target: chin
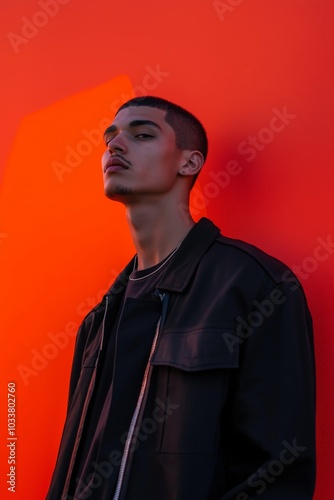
x=117 y=192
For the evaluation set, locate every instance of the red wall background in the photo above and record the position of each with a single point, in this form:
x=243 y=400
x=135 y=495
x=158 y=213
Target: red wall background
x=259 y=74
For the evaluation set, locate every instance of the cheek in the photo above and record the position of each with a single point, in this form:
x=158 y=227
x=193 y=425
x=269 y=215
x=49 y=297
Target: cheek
x=163 y=174
x=170 y=166
x=104 y=157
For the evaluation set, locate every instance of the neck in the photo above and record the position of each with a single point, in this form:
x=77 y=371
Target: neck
x=157 y=230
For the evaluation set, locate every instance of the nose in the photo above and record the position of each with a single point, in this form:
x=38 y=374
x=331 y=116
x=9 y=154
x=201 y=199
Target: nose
x=117 y=144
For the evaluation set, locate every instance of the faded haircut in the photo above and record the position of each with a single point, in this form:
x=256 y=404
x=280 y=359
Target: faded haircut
x=189 y=132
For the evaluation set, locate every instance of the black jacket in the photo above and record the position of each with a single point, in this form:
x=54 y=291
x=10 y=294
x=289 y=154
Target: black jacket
x=228 y=409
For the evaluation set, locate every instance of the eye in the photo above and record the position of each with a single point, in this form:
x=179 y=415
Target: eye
x=143 y=136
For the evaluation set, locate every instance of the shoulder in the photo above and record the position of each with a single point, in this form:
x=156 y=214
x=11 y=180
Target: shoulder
x=241 y=253
x=242 y=263
x=249 y=273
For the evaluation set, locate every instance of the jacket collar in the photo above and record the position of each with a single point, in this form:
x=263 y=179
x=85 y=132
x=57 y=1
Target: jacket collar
x=183 y=264
x=186 y=259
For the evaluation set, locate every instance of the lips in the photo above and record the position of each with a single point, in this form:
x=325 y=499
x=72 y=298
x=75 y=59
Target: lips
x=116 y=163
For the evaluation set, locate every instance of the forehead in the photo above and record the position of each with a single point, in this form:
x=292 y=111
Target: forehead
x=141 y=113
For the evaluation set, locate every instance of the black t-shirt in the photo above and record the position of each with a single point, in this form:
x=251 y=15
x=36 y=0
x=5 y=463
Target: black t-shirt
x=117 y=387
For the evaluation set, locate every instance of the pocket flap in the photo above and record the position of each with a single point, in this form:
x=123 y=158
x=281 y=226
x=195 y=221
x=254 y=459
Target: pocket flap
x=197 y=350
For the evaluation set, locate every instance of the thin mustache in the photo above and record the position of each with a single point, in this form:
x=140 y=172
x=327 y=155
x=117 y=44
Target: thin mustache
x=122 y=160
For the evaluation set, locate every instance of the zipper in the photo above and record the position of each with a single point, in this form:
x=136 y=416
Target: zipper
x=84 y=412
x=103 y=326
x=142 y=392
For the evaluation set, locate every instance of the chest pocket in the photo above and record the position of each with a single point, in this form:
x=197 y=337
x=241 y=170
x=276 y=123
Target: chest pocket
x=198 y=349
x=193 y=384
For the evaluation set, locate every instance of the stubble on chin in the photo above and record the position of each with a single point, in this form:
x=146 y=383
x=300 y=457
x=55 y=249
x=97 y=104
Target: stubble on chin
x=118 y=190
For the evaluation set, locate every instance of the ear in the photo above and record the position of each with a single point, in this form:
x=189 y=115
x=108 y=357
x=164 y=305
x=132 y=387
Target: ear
x=193 y=162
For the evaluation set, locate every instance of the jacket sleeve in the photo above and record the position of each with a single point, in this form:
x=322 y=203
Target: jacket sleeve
x=271 y=446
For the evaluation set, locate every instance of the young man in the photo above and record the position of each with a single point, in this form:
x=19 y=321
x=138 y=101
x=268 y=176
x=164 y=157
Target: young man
x=193 y=379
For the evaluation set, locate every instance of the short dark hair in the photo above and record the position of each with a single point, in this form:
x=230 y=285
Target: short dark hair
x=189 y=132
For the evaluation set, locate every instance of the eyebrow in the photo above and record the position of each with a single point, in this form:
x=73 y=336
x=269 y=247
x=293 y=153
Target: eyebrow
x=133 y=124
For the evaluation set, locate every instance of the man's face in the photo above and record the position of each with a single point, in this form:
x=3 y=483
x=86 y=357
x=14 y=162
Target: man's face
x=141 y=159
